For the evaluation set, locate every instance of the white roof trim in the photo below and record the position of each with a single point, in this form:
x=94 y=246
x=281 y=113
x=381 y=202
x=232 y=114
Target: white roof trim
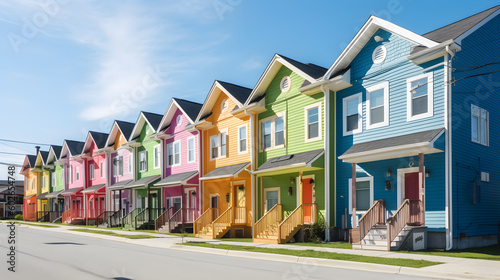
x=167 y=117
x=365 y=33
x=139 y=124
x=459 y=39
x=211 y=95
x=112 y=133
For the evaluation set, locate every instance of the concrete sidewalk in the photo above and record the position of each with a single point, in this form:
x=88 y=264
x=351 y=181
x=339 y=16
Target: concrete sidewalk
x=452 y=268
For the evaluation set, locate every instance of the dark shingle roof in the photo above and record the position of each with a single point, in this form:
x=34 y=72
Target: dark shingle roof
x=143 y=182
x=454 y=30
x=283 y=161
x=99 y=138
x=44 y=155
x=310 y=69
x=57 y=150
x=192 y=109
x=153 y=119
x=239 y=92
x=31 y=160
x=119 y=185
x=126 y=128
x=226 y=171
x=419 y=137
x=93 y=189
x=177 y=179
x=75 y=147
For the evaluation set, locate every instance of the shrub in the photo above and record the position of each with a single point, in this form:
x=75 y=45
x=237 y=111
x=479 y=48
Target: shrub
x=316 y=232
x=19 y=217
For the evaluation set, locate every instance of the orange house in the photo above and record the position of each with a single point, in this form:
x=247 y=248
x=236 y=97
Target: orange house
x=226 y=158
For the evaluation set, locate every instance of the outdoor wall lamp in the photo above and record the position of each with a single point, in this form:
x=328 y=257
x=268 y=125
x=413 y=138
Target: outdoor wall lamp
x=427 y=173
x=227 y=197
x=292 y=180
x=388 y=185
x=290 y=191
x=241 y=188
x=193 y=193
x=388 y=173
x=378 y=38
x=311 y=182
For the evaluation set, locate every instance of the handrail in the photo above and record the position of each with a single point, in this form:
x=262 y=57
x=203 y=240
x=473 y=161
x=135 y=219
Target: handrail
x=175 y=220
x=163 y=218
x=295 y=219
x=71 y=214
x=273 y=217
x=205 y=219
x=375 y=215
x=144 y=216
x=103 y=217
x=408 y=212
x=129 y=218
x=240 y=215
x=222 y=221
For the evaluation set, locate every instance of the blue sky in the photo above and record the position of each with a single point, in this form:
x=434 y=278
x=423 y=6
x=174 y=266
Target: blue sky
x=68 y=67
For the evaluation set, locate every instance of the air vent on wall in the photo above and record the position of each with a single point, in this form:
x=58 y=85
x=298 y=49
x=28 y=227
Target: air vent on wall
x=379 y=54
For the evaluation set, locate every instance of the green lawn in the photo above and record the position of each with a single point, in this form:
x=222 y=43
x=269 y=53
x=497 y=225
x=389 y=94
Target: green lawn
x=37 y=225
x=110 y=233
x=337 y=245
x=321 y=255
x=250 y=240
x=485 y=253
x=166 y=233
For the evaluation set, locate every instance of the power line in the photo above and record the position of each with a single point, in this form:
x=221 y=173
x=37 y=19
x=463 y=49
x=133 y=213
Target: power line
x=491 y=89
x=6 y=153
x=476 y=75
x=22 y=142
x=470 y=68
x=11 y=164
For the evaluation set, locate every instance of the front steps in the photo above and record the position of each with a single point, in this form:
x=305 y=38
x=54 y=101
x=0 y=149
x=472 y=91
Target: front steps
x=376 y=239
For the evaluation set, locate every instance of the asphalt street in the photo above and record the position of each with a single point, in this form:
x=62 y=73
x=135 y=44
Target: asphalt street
x=52 y=255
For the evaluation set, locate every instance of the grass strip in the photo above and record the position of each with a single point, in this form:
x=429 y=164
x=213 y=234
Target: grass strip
x=491 y=253
x=320 y=255
x=166 y=233
x=336 y=245
x=110 y=233
x=37 y=225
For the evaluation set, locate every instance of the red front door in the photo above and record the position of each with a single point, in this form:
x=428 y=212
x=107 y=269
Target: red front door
x=411 y=186
x=307 y=200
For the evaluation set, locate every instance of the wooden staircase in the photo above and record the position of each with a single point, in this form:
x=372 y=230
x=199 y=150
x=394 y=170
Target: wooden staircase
x=129 y=220
x=272 y=228
x=202 y=227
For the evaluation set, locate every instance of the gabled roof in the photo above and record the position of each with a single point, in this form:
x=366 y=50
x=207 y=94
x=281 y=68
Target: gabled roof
x=237 y=93
x=98 y=138
x=226 y=171
x=29 y=162
x=310 y=72
x=152 y=119
x=188 y=108
x=54 y=153
x=42 y=155
x=124 y=127
x=365 y=34
x=74 y=147
x=290 y=161
x=456 y=29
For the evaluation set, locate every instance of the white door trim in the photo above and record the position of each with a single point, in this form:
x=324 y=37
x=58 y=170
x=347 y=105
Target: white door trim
x=401 y=183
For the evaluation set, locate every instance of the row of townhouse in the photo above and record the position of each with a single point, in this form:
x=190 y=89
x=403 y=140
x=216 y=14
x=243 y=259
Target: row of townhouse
x=393 y=145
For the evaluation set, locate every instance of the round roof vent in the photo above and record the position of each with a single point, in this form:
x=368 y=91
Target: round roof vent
x=286 y=84
x=379 y=54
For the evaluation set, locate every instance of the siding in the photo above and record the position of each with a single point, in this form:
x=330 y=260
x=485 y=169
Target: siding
x=96 y=160
x=469 y=159
x=120 y=152
x=148 y=146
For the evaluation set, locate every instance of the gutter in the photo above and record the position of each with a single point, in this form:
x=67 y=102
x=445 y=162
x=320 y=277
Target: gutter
x=448 y=167
x=326 y=142
x=252 y=163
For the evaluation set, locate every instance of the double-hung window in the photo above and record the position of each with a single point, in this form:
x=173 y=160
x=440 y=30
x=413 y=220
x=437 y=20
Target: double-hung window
x=266 y=135
x=218 y=145
x=92 y=171
x=118 y=166
x=174 y=153
x=78 y=173
x=279 y=131
x=272 y=132
x=364 y=194
x=143 y=161
x=352 y=108
x=377 y=105
x=43 y=182
x=130 y=162
x=156 y=158
x=420 y=97
x=242 y=139
x=70 y=174
x=54 y=179
x=313 y=122
x=191 y=149
x=101 y=168
x=480 y=122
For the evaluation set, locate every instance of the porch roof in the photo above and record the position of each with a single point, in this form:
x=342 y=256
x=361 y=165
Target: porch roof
x=176 y=179
x=71 y=191
x=119 y=185
x=225 y=171
x=29 y=196
x=55 y=194
x=142 y=182
x=394 y=147
x=42 y=196
x=289 y=162
x=93 y=189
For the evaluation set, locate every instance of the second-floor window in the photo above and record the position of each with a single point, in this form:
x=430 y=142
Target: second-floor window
x=70 y=174
x=352 y=108
x=156 y=158
x=54 y=178
x=272 y=132
x=377 y=105
x=92 y=171
x=242 y=139
x=77 y=169
x=130 y=162
x=43 y=182
x=143 y=161
x=419 y=97
x=313 y=122
x=480 y=122
x=174 y=153
x=117 y=166
x=218 y=145
x=33 y=184
x=101 y=167
x=191 y=149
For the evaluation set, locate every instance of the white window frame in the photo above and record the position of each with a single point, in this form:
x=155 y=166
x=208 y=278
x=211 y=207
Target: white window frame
x=430 y=97
x=272 y=119
x=479 y=132
x=156 y=154
x=70 y=174
x=219 y=145
x=369 y=90
x=101 y=167
x=54 y=179
x=92 y=171
x=43 y=181
x=173 y=153
x=77 y=171
x=145 y=153
x=265 y=196
x=194 y=149
x=358 y=96
x=360 y=179
x=240 y=152
x=130 y=162
x=306 y=122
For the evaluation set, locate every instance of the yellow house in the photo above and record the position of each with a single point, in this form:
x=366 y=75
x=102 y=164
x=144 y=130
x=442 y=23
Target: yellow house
x=226 y=159
x=43 y=188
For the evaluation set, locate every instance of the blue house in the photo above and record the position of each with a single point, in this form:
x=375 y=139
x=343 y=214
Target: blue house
x=412 y=164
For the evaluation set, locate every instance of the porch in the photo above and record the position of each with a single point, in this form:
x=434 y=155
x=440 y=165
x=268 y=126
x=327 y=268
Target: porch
x=147 y=203
x=95 y=200
x=56 y=203
x=29 y=209
x=74 y=204
x=121 y=203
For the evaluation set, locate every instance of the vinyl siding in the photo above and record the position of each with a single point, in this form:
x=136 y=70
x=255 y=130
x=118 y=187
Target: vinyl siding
x=120 y=152
x=469 y=158
x=148 y=146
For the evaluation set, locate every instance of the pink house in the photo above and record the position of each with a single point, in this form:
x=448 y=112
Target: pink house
x=120 y=159
x=181 y=144
x=94 y=192
x=71 y=155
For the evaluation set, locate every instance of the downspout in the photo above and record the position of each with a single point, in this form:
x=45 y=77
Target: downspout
x=326 y=93
x=448 y=179
x=252 y=166
x=201 y=166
